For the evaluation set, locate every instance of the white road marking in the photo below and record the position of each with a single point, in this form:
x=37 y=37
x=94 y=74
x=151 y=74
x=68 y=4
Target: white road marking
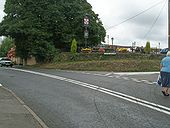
x=135 y=73
x=118 y=77
x=154 y=83
x=147 y=82
x=84 y=73
x=0 y=85
x=144 y=80
x=107 y=74
x=150 y=83
x=98 y=75
x=135 y=80
x=125 y=78
x=135 y=100
x=111 y=76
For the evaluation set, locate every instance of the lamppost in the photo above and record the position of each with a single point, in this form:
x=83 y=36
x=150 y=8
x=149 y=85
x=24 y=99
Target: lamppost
x=133 y=46
x=86 y=24
x=108 y=39
x=112 y=41
x=159 y=46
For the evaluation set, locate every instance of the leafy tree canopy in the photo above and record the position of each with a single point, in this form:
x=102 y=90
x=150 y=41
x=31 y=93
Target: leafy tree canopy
x=55 y=22
x=6 y=45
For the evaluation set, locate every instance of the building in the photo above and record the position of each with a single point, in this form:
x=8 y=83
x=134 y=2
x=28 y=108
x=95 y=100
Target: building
x=17 y=60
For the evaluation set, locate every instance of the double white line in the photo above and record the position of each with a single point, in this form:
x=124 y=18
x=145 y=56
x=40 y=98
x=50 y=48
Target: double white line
x=141 y=102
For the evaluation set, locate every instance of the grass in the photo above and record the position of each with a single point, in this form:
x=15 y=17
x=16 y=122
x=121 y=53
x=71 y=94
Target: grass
x=100 y=62
x=115 y=65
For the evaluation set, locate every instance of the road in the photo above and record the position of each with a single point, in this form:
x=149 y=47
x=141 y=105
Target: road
x=72 y=99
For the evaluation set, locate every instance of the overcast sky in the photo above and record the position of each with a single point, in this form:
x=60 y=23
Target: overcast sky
x=113 y=12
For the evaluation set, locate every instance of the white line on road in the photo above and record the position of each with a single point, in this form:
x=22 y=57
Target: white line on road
x=135 y=100
x=118 y=77
x=86 y=73
x=135 y=80
x=0 y=85
x=98 y=74
x=111 y=76
x=135 y=73
x=125 y=78
x=108 y=74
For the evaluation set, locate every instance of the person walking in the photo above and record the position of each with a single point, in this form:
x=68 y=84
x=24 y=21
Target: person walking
x=165 y=74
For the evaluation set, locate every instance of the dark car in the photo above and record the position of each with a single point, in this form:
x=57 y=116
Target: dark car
x=6 y=62
x=164 y=51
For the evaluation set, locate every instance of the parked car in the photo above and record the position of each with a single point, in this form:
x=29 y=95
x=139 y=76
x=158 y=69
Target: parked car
x=6 y=62
x=164 y=51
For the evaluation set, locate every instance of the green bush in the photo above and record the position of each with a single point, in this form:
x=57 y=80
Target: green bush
x=74 y=46
x=147 y=48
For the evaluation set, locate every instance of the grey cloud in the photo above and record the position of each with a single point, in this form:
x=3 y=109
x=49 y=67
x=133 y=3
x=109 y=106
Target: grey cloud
x=2 y=4
x=1 y=9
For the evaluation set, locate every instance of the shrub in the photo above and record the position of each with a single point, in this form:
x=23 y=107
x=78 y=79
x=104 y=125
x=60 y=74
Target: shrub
x=74 y=46
x=147 y=48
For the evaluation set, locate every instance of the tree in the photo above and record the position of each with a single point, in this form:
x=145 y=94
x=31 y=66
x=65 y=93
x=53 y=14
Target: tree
x=6 y=45
x=55 y=22
x=43 y=51
x=71 y=24
x=74 y=46
x=147 y=48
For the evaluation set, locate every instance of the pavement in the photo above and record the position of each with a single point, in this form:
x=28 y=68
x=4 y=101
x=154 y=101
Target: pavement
x=15 y=114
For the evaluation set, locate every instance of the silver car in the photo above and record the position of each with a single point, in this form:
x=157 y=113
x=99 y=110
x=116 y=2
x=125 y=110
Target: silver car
x=6 y=62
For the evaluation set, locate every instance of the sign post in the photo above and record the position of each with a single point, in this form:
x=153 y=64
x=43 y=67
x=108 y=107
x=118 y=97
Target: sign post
x=86 y=24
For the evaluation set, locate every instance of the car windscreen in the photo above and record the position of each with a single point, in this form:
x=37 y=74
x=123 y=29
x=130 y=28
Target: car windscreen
x=5 y=60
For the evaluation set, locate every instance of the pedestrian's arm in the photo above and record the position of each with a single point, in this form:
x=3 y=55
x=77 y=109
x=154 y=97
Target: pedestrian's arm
x=161 y=65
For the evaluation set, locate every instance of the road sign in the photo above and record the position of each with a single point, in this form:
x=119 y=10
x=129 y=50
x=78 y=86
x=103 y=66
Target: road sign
x=86 y=34
x=86 y=21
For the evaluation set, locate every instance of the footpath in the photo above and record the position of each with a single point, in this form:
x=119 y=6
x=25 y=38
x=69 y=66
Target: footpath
x=15 y=114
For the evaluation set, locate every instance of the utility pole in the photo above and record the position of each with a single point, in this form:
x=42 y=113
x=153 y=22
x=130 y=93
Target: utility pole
x=169 y=25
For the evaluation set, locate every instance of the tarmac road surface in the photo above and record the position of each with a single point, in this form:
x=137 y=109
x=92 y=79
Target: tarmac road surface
x=71 y=99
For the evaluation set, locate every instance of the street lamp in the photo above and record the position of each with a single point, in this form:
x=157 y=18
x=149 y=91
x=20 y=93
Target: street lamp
x=112 y=41
x=133 y=45
x=108 y=39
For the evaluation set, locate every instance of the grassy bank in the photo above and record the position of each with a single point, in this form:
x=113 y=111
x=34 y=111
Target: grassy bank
x=116 y=66
x=98 y=62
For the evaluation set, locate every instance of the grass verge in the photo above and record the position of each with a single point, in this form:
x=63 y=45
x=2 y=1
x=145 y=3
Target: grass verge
x=107 y=65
